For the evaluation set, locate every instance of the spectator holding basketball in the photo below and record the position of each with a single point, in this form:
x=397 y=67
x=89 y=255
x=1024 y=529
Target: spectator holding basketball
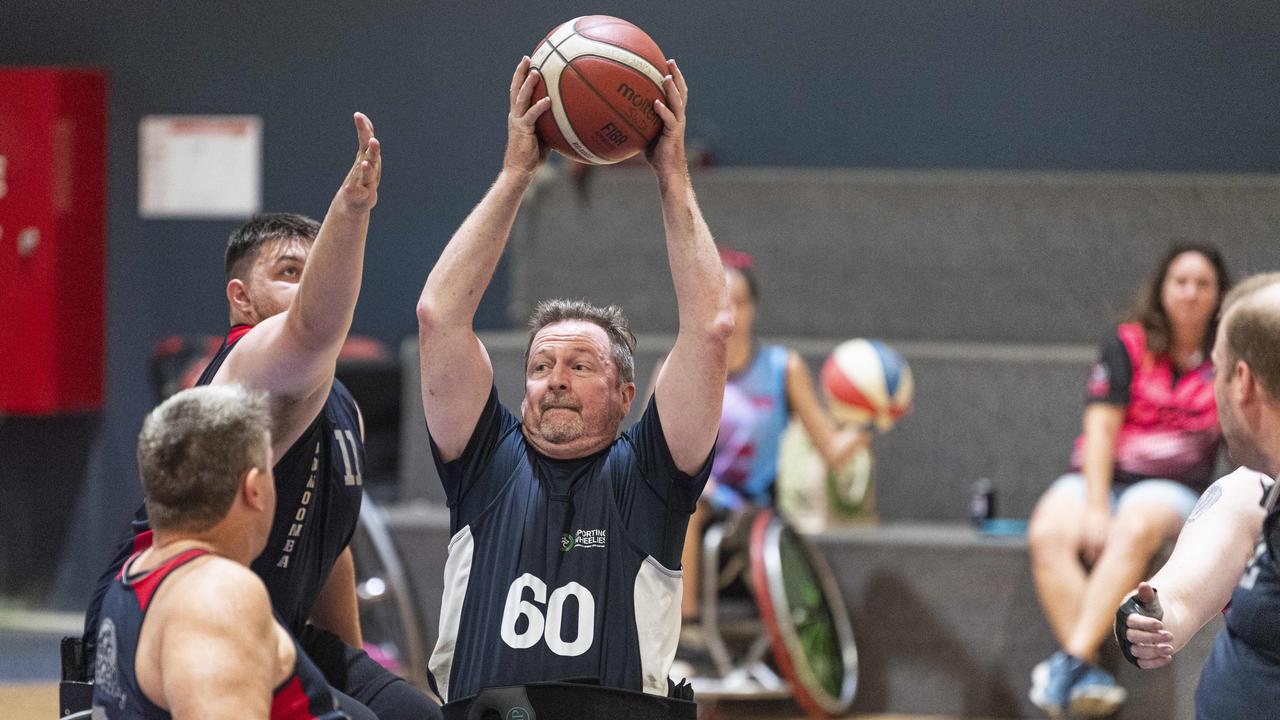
x=767 y=385
x=1147 y=451
x=566 y=536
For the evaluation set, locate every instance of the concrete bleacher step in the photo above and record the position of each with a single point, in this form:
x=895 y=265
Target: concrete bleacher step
x=946 y=619
x=990 y=256
x=1008 y=412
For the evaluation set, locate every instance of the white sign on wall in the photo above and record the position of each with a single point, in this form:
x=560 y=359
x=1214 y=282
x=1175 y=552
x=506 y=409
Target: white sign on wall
x=199 y=166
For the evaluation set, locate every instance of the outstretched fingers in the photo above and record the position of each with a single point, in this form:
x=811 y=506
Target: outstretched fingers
x=521 y=105
x=674 y=71
x=371 y=164
x=664 y=112
x=364 y=132
x=517 y=80
x=367 y=168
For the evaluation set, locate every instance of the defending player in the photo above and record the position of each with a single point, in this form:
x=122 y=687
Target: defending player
x=186 y=629
x=574 y=533
x=292 y=287
x=1225 y=532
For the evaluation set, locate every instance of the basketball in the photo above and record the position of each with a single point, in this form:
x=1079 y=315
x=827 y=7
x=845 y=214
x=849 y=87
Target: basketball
x=602 y=74
x=868 y=383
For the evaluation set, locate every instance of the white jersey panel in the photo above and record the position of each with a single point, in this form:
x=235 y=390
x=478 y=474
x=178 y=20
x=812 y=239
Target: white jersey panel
x=657 y=603
x=457 y=576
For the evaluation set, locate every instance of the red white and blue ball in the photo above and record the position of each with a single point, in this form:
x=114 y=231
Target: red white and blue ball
x=867 y=383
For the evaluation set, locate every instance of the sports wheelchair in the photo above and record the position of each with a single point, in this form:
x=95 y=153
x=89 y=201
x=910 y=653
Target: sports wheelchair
x=774 y=624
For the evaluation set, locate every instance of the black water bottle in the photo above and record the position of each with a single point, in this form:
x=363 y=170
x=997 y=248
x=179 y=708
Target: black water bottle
x=982 y=502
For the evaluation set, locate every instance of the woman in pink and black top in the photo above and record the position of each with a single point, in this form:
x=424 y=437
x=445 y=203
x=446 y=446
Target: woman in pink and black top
x=1148 y=449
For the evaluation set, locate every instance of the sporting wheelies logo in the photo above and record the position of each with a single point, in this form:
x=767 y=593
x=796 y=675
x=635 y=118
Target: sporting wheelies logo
x=582 y=539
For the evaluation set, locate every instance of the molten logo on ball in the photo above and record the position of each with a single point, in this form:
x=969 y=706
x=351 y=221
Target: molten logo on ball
x=641 y=103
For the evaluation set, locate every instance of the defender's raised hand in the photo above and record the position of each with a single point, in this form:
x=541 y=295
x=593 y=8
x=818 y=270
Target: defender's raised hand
x=524 y=150
x=666 y=154
x=359 y=192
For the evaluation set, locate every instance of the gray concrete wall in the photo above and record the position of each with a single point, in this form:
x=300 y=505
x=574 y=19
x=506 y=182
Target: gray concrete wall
x=1012 y=257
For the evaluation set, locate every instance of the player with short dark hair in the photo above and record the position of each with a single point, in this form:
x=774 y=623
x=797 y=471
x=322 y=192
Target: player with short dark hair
x=186 y=629
x=292 y=286
x=567 y=537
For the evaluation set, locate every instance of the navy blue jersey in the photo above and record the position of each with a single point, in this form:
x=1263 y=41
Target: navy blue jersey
x=304 y=695
x=1241 y=679
x=560 y=569
x=318 y=493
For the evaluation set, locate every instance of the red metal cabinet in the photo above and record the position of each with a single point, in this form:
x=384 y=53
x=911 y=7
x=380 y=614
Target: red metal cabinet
x=52 y=240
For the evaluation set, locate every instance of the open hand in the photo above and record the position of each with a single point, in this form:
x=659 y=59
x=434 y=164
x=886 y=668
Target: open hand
x=666 y=154
x=524 y=150
x=359 y=192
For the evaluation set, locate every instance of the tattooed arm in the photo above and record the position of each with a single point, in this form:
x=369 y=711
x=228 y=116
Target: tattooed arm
x=1213 y=550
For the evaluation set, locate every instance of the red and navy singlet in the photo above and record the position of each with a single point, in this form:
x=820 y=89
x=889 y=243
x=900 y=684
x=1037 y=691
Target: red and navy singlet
x=319 y=488
x=304 y=695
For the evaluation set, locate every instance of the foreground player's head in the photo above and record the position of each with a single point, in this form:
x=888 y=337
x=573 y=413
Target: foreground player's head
x=1246 y=357
x=1184 y=294
x=579 y=377
x=264 y=262
x=205 y=460
x=744 y=290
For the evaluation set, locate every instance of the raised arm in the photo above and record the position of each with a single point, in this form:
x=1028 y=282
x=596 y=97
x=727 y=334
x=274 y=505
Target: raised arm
x=690 y=387
x=1206 y=564
x=456 y=372
x=292 y=354
x=218 y=651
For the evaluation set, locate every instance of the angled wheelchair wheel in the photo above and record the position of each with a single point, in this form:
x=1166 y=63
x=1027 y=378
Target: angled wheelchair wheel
x=805 y=617
x=388 y=615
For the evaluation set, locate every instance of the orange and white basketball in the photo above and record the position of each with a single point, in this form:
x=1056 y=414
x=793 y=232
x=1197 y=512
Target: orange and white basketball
x=602 y=74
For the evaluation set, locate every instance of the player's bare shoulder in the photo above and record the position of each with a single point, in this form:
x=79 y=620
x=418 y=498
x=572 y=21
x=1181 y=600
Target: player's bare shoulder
x=1240 y=492
x=214 y=590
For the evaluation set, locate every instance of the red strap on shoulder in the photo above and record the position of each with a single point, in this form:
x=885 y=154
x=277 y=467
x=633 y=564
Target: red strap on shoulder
x=237 y=332
x=146 y=587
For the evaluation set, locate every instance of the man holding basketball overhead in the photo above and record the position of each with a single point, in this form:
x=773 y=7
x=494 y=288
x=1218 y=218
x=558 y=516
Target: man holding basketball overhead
x=567 y=536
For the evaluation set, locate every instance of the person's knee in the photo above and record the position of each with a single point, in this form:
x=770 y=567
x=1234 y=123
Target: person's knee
x=1141 y=531
x=1052 y=531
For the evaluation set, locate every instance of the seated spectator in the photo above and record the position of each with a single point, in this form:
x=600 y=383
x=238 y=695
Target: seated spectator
x=1147 y=451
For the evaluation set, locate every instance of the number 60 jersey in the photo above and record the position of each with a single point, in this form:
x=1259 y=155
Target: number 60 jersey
x=559 y=569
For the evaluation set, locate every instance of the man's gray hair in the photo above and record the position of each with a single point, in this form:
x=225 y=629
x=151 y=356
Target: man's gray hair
x=1253 y=331
x=193 y=450
x=610 y=318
